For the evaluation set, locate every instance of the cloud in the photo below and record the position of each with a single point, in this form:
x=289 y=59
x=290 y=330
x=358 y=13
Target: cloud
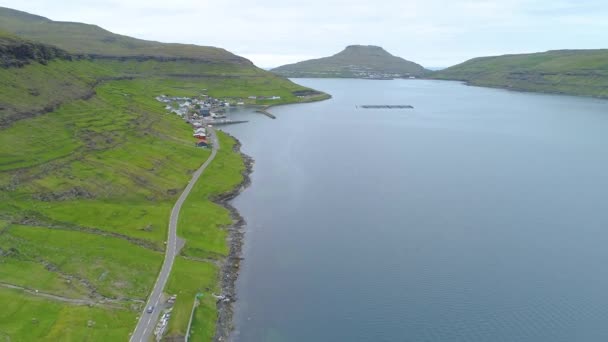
x=272 y=32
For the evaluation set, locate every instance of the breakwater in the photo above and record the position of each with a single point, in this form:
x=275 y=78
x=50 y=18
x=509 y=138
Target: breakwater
x=386 y=106
x=266 y=112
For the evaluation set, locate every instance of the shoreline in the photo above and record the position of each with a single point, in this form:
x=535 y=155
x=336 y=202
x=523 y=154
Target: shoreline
x=230 y=268
x=518 y=89
x=265 y=109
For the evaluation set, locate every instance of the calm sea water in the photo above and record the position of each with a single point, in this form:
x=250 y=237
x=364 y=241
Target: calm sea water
x=481 y=215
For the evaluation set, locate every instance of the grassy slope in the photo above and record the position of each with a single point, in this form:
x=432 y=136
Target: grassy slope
x=108 y=163
x=202 y=223
x=27 y=91
x=35 y=89
x=29 y=318
x=114 y=163
x=576 y=72
x=90 y=166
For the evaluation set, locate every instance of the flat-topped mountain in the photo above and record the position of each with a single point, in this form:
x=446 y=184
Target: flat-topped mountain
x=356 y=61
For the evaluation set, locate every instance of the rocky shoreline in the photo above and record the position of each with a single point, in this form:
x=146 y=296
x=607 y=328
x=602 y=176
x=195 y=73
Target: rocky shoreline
x=231 y=266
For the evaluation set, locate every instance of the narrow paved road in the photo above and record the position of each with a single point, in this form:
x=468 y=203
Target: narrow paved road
x=147 y=321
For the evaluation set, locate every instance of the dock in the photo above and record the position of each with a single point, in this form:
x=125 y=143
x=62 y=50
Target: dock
x=266 y=112
x=386 y=107
x=225 y=122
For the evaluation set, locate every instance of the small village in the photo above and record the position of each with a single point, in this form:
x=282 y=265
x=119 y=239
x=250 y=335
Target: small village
x=204 y=112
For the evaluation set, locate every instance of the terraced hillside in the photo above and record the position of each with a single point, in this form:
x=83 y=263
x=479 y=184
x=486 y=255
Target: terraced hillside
x=575 y=72
x=90 y=166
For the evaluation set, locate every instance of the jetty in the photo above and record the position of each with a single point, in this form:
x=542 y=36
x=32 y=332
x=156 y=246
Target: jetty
x=266 y=112
x=386 y=106
x=224 y=122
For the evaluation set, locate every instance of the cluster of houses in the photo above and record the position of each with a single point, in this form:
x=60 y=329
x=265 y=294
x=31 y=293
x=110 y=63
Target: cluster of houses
x=204 y=111
x=189 y=108
x=199 y=112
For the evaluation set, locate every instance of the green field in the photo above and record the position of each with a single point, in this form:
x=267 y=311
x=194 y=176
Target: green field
x=86 y=211
x=29 y=318
x=90 y=166
x=574 y=72
x=202 y=222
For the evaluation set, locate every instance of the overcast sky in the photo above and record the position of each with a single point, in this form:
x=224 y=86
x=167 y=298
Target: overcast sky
x=434 y=33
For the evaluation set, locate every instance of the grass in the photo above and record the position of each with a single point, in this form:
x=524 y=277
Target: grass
x=575 y=72
x=202 y=224
x=27 y=91
x=112 y=267
x=114 y=163
x=29 y=318
x=33 y=275
x=90 y=167
x=188 y=278
x=138 y=220
x=37 y=88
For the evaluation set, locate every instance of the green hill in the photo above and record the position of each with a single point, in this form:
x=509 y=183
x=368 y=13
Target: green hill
x=575 y=72
x=356 y=61
x=80 y=38
x=25 y=38
x=90 y=167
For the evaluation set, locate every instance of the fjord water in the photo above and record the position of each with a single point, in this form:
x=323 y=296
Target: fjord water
x=480 y=215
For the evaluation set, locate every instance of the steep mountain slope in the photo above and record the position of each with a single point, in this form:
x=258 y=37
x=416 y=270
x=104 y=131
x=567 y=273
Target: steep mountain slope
x=81 y=38
x=576 y=72
x=18 y=52
x=29 y=88
x=356 y=61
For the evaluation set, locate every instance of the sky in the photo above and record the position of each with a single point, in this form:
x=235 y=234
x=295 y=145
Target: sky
x=434 y=33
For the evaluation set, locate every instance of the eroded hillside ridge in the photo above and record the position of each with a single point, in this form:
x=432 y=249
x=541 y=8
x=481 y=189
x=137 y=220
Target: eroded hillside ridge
x=17 y=53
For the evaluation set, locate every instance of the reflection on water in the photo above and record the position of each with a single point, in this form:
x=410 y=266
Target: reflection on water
x=480 y=215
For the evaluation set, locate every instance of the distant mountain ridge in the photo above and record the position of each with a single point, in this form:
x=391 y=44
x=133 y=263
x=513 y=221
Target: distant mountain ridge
x=574 y=72
x=78 y=38
x=355 y=61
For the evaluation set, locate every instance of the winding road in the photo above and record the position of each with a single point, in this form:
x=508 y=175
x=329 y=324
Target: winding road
x=147 y=321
